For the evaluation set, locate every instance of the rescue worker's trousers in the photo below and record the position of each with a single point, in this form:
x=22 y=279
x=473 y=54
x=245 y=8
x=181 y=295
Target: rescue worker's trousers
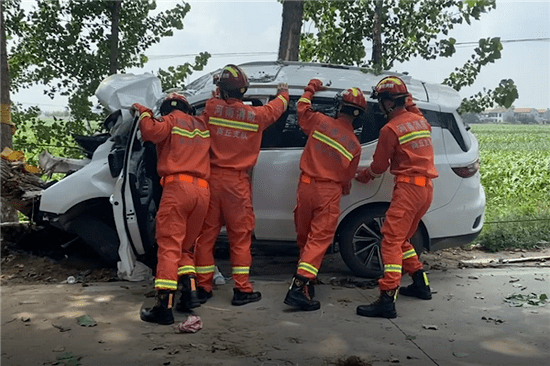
x=230 y=204
x=181 y=213
x=409 y=203
x=315 y=217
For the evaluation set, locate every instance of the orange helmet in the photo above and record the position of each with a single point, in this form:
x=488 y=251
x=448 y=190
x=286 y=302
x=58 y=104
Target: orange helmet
x=390 y=87
x=232 y=79
x=173 y=101
x=353 y=98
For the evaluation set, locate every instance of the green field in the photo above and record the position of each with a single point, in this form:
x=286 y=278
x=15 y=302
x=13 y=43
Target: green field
x=515 y=172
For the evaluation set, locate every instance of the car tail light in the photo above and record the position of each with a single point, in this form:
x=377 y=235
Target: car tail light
x=467 y=171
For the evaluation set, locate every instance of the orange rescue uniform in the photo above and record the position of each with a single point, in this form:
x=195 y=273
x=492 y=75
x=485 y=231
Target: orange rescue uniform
x=183 y=144
x=236 y=134
x=328 y=164
x=404 y=145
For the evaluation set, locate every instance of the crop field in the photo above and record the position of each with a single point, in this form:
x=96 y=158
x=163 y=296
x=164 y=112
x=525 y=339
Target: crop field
x=515 y=172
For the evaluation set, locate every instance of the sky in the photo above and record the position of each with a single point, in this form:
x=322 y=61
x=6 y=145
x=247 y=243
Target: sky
x=249 y=30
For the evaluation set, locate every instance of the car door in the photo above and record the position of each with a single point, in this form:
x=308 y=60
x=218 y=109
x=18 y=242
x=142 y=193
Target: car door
x=276 y=174
x=137 y=193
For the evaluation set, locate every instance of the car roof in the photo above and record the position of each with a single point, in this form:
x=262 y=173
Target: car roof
x=267 y=74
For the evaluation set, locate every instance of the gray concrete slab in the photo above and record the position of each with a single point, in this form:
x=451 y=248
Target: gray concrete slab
x=466 y=323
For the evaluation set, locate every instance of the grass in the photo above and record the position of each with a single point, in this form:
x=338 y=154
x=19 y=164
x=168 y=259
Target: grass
x=515 y=172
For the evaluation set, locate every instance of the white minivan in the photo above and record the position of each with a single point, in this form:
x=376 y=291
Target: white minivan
x=455 y=216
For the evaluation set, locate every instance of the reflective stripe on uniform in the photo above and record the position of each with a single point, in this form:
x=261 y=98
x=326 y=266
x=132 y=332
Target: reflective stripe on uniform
x=304 y=100
x=308 y=268
x=186 y=270
x=393 y=268
x=333 y=143
x=284 y=101
x=205 y=269
x=426 y=282
x=409 y=254
x=166 y=284
x=144 y=114
x=240 y=270
x=413 y=136
x=185 y=133
x=233 y=124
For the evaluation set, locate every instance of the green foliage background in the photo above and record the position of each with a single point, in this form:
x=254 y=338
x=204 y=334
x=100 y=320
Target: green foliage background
x=515 y=172
x=66 y=47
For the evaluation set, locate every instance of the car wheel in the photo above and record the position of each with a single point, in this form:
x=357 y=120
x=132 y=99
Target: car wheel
x=360 y=242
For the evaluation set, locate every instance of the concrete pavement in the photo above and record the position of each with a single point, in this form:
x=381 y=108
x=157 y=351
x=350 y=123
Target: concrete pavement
x=466 y=323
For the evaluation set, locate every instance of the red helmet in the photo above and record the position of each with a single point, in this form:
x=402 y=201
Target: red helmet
x=390 y=87
x=173 y=101
x=354 y=98
x=232 y=78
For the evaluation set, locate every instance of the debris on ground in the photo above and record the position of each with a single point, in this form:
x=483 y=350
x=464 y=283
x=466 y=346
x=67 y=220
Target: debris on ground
x=460 y=354
x=66 y=359
x=429 y=326
x=192 y=324
x=493 y=320
x=532 y=299
x=351 y=361
x=86 y=321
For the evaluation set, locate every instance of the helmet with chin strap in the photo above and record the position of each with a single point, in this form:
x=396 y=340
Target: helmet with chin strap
x=352 y=101
x=232 y=79
x=173 y=101
x=390 y=87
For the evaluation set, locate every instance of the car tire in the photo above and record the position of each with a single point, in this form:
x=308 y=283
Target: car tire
x=360 y=241
x=99 y=236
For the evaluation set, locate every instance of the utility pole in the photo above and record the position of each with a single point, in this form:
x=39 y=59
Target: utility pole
x=291 y=29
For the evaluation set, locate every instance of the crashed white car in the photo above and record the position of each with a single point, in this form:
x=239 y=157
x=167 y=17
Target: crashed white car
x=111 y=202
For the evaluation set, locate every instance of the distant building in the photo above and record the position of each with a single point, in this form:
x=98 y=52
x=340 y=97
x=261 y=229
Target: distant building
x=498 y=115
x=544 y=116
x=502 y=115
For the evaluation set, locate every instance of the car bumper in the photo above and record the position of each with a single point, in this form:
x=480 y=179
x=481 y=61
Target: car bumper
x=461 y=220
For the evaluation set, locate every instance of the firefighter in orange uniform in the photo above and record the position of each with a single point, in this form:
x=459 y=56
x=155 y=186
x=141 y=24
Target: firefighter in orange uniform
x=328 y=164
x=236 y=132
x=405 y=146
x=183 y=143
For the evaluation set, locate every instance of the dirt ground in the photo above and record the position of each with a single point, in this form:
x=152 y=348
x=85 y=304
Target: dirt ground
x=27 y=267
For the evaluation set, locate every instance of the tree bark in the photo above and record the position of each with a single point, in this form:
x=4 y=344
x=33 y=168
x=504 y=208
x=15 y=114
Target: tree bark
x=20 y=189
x=291 y=29
x=115 y=18
x=377 y=35
x=8 y=213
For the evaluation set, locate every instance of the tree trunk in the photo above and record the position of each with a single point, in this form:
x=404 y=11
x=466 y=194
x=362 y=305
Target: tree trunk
x=20 y=189
x=291 y=29
x=377 y=35
x=8 y=213
x=115 y=17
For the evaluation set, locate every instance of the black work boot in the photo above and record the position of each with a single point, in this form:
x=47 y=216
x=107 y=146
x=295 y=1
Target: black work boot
x=242 y=298
x=189 y=298
x=161 y=313
x=203 y=295
x=384 y=307
x=298 y=295
x=420 y=287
